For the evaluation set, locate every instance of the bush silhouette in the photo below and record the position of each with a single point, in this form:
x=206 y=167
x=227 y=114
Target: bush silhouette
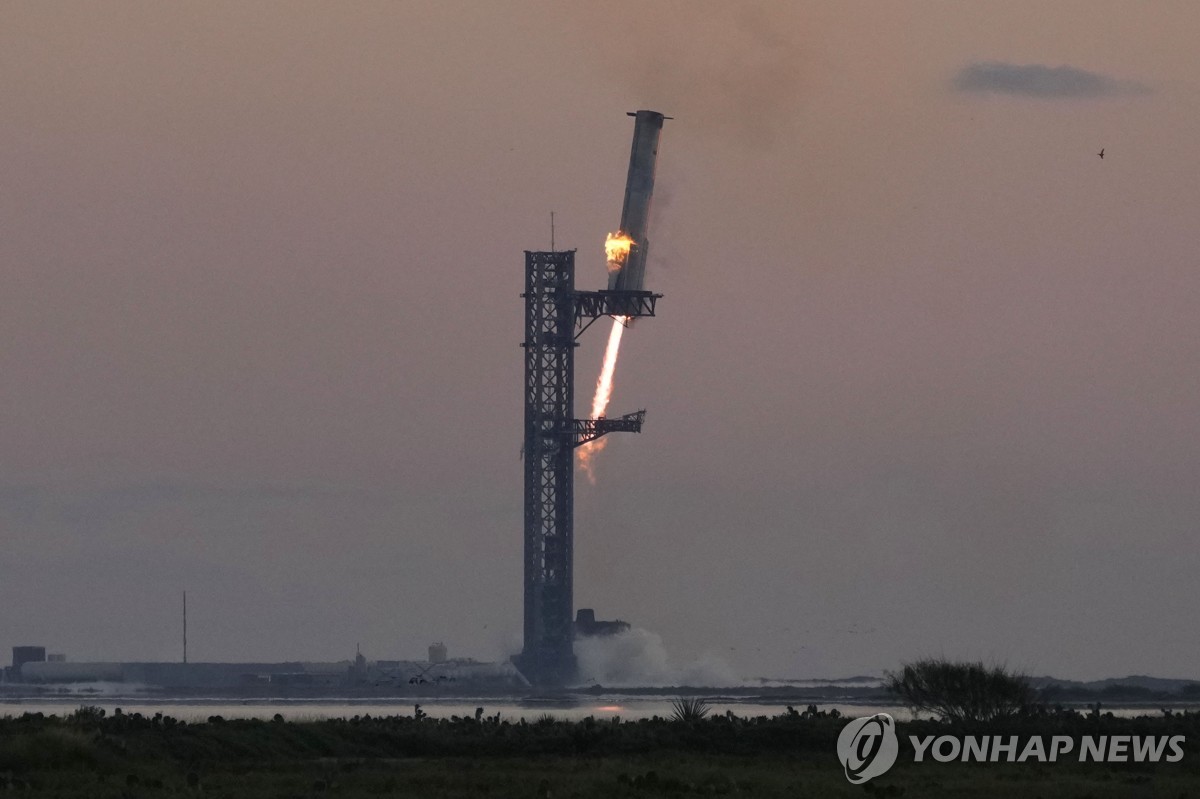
x=689 y=710
x=960 y=692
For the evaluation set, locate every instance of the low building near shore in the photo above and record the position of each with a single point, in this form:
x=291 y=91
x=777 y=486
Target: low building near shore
x=273 y=678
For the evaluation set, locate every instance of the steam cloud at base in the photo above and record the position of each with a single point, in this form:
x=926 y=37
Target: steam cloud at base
x=638 y=657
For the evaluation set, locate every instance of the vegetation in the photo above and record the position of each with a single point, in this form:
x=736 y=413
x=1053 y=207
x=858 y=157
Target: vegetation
x=961 y=692
x=90 y=754
x=689 y=709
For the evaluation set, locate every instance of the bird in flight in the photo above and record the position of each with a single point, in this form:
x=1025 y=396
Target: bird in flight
x=1101 y=153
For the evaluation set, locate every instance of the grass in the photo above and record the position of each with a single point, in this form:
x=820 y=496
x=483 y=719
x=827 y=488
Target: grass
x=789 y=755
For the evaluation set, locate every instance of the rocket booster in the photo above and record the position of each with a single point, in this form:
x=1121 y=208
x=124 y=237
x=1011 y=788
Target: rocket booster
x=639 y=187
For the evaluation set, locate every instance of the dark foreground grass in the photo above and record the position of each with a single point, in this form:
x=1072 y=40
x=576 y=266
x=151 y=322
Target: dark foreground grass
x=790 y=755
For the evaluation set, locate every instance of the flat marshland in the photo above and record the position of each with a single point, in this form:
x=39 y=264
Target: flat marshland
x=90 y=754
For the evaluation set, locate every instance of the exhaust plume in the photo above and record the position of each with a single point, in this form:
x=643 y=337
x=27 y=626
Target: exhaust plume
x=638 y=658
x=603 y=394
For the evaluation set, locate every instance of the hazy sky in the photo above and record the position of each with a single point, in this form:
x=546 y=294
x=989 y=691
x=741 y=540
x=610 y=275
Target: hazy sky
x=924 y=380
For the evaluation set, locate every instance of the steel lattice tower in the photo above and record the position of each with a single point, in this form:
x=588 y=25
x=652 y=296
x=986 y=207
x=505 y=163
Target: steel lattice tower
x=555 y=315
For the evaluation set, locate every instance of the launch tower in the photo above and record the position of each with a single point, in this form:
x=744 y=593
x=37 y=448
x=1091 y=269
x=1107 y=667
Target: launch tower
x=555 y=316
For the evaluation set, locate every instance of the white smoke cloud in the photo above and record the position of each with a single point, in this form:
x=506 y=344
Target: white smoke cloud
x=639 y=658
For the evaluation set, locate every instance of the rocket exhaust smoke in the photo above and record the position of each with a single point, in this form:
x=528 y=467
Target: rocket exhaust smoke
x=639 y=657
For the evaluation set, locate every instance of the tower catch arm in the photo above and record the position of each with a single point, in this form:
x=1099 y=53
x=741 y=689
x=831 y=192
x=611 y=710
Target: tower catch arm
x=590 y=429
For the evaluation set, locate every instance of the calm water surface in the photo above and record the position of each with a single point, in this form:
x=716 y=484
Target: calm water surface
x=628 y=707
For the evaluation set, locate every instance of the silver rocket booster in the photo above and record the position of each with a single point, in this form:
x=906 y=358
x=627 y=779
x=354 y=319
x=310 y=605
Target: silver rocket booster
x=639 y=187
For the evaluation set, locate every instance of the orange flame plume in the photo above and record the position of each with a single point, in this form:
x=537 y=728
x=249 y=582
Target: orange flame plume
x=604 y=385
x=616 y=253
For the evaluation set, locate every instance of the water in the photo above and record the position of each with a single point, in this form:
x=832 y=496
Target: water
x=568 y=709
x=307 y=710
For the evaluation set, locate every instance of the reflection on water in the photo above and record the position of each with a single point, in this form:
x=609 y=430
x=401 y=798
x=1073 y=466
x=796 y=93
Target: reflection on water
x=565 y=708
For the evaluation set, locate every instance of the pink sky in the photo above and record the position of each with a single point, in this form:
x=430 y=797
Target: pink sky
x=924 y=379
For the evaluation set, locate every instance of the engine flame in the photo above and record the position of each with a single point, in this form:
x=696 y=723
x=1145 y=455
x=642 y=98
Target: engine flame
x=604 y=386
x=616 y=250
x=616 y=253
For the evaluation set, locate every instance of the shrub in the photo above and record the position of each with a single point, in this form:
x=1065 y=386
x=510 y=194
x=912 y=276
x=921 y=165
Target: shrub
x=689 y=710
x=55 y=748
x=960 y=692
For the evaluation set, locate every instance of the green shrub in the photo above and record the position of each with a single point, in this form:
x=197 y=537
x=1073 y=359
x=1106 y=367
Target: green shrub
x=51 y=748
x=961 y=692
x=689 y=709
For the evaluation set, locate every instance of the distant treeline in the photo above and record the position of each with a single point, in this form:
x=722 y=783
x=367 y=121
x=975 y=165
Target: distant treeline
x=1118 y=692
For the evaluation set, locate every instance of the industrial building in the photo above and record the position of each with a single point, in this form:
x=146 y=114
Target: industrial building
x=588 y=626
x=357 y=675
